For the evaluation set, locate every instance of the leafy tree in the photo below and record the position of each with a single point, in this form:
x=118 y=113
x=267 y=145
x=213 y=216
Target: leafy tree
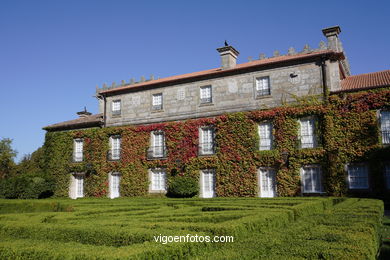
x=7 y=155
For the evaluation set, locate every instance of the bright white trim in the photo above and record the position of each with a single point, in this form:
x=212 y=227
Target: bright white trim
x=267 y=182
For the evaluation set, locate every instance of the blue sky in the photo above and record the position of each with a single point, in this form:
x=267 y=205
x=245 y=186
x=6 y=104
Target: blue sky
x=54 y=53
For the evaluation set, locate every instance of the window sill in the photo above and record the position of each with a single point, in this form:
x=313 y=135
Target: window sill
x=116 y=116
x=206 y=104
x=263 y=96
x=157 y=111
x=157 y=191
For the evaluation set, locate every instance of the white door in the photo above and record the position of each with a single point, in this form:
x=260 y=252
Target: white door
x=79 y=186
x=267 y=183
x=114 y=187
x=208 y=183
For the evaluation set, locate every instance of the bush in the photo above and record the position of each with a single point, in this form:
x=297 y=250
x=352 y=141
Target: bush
x=182 y=187
x=26 y=187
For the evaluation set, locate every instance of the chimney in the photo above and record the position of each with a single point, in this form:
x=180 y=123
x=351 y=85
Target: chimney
x=84 y=113
x=228 y=57
x=332 y=35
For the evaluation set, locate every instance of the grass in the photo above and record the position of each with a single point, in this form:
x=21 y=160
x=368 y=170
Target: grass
x=278 y=228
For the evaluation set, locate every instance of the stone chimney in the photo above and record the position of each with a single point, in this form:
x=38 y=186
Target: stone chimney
x=332 y=35
x=228 y=57
x=84 y=113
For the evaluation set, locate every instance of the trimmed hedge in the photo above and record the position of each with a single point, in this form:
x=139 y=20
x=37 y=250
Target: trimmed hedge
x=183 y=187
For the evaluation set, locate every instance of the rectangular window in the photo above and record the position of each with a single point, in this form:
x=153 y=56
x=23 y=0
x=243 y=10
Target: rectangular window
x=116 y=107
x=158 y=181
x=208 y=183
x=115 y=148
x=385 y=126
x=307 y=133
x=157 y=147
x=78 y=150
x=114 y=184
x=262 y=86
x=206 y=95
x=387 y=175
x=157 y=101
x=311 y=179
x=79 y=183
x=265 y=135
x=207 y=143
x=267 y=182
x=358 y=176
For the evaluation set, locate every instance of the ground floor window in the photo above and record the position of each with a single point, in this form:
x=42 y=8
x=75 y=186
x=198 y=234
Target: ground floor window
x=208 y=183
x=387 y=175
x=76 y=189
x=157 y=180
x=311 y=179
x=358 y=176
x=114 y=181
x=267 y=182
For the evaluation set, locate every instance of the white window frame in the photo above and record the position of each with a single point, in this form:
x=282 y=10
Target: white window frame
x=158 y=180
x=387 y=174
x=212 y=183
x=364 y=175
x=157 y=101
x=265 y=135
x=261 y=181
x=158 y=148
x=114 y=181
x=115 y=147
x=206 y=94
x=76 y=188
x=263 y=86
x=310 y=187
x=207 y=133
x=384 y=117
x=116 y=107
x=310 y=135
x=78 y=150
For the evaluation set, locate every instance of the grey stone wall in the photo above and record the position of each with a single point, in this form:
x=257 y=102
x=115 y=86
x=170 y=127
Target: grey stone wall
x=230 y=94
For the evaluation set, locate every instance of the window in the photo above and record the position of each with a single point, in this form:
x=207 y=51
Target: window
x=78 y=150
x=358 y=176
x=157 y=149
x=208 y=183
x=387 y=175
x=265 y=134
x=262 y=86
x=115 y=148
x=157 y=101
x=114 y=181
x=116 y=107
x=267 y=182
x=79 y=185
x=385 y=126
x=206 y=95
x=307 y=133
x=158 y=180
x=311 y=179
x=206 y=144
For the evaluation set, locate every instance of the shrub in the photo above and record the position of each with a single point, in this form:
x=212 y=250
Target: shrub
x=26 y=187
x=182 y=187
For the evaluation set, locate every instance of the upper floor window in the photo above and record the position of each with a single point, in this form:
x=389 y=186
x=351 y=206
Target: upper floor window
x=358 y=176
x=385 y=126
x=311 y=179
x=78 y=150
x=206 y=95
x=158 y=180
x=387 y=175
x=307 y=134
x=157 y=148
x=115 y=148
x=157 y=101
x=207 y=140
x=116 y=107
x=265 y=135
x=263 y=87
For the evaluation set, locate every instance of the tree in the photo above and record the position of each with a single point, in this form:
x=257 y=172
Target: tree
x=7 y=155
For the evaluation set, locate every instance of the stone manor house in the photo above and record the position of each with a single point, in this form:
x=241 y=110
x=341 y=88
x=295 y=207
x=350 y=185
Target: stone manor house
x=297 y=79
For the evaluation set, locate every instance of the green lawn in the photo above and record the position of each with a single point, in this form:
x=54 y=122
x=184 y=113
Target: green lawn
x=279 y=228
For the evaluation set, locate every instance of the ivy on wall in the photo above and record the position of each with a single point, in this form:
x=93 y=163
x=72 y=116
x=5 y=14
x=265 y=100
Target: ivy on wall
x=347 y=130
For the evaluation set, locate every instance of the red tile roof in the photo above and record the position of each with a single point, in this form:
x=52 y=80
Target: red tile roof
x=365 y=81
x=217 y=71
x=88 y=121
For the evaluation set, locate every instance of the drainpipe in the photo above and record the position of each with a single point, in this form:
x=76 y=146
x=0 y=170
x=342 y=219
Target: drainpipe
x=324 y=82
x=104 y=111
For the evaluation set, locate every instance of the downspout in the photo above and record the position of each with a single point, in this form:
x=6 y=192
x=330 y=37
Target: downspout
x=104 y=110
x=324 y=82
